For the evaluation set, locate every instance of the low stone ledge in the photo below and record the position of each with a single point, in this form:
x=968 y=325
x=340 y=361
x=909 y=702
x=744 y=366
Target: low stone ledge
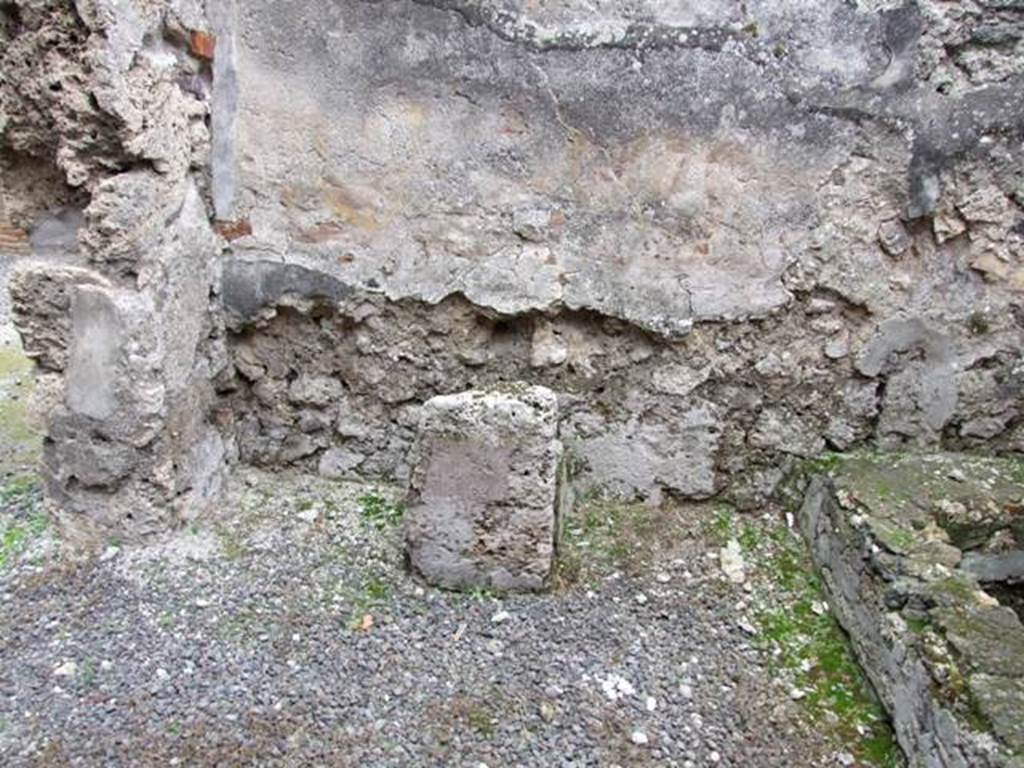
x=483 y=509
x=896 y=538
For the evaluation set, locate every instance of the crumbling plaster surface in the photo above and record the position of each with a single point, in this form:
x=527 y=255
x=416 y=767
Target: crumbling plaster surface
x=104 y=142
x=724 y=232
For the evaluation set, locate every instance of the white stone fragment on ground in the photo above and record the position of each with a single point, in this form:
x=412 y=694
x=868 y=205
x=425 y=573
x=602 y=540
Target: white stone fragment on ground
x=67 y=669
x=309 y=515
x=730 y=558
x=486 y=489
x=641 y=599
x=616 y=687
x=639 y=738
x=501 y=617
x=651 y=704
x=747 y=627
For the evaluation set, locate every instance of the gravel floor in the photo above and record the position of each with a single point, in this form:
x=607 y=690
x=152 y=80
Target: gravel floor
x=288 y=633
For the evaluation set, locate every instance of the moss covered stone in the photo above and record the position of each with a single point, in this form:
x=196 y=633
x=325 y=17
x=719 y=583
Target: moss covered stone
x=890 y=532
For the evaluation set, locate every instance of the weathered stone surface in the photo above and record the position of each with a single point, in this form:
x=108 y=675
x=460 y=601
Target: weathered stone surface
x=485 y=488
x=338 y=463
x=41 y=305
x=663 y=450
x=921 y=394
x=103 y=109
x=1003 y=566
x=946 y=659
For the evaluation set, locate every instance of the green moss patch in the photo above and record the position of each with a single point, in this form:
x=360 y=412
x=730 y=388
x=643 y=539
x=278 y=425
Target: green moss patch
x=379 y=512
x=20 y=443
x=24 y=521
x=808 y=645
x=602 y=535
x=969 y=497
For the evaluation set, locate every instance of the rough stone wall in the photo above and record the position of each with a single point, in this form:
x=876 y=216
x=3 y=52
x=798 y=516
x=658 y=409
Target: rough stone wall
x=725 y=232
x=108 y=99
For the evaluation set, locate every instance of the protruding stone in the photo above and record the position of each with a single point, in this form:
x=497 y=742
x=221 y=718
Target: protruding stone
x=894 y=238
x=485 y=489
x=41 y=301
x=339 y=462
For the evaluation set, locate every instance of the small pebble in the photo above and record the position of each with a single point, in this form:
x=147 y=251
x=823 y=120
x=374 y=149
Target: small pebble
x=67 y=669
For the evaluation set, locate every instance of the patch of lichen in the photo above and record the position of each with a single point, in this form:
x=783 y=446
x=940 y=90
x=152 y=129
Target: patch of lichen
x=924 y=510
x=966 y=641
x=958 y=690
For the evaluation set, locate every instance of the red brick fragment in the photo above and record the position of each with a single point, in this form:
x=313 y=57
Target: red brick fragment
x=202 y=45
x=232 y=230
x=14 y=240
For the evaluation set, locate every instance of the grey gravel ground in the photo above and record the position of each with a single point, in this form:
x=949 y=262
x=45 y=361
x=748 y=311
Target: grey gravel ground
x=288 y=633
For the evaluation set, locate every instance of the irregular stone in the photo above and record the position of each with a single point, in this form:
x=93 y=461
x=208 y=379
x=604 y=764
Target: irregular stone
x=679 y=379
x=1002 y=567
x=41 y=306
x=998 y=699
x=338 y=463
x=484 y=489
x=894 y=237
x=548 y=347
x=315 y=390
x=920 y=395
x=838 y=346
x=531 y=223
x=786 y=432
x=730 y=559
